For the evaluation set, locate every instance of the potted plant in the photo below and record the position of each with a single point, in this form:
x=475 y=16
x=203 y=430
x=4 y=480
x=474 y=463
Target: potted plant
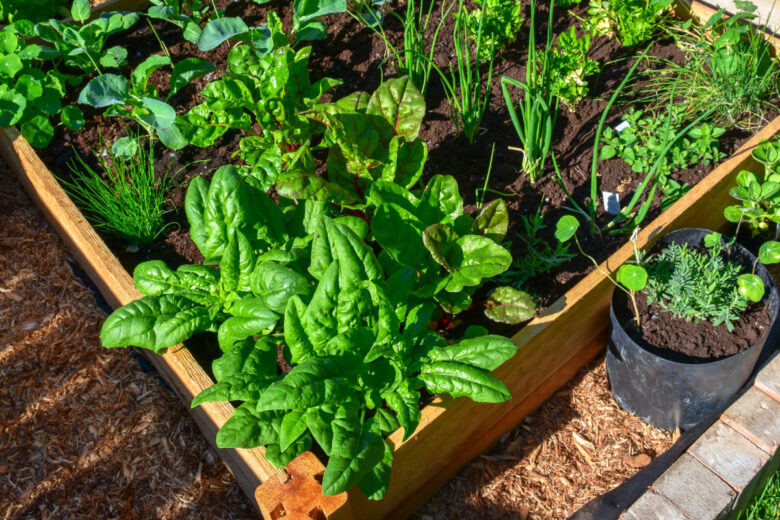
x=688 y=322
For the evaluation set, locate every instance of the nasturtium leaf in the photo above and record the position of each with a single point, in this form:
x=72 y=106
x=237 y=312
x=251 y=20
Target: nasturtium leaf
x=399 y=103
x=38 y=131
x=769 y=252
x=187 y=70
x=105 y=90
x=12 y=107
x=10 y=65
x=486 y=352
x=80 y=10
x=492 y=221
x=28 y=86
x=220 y=30
x=566 y=228
x=633 y=277
x=8 y=42
x=733 y=213
x=751 y=287
x=460 y=380
x=713 y=240
x=508 y=305
x=72 y=118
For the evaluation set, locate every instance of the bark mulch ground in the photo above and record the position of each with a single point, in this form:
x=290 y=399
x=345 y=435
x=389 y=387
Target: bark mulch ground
x=84 y=431
x=580 y=444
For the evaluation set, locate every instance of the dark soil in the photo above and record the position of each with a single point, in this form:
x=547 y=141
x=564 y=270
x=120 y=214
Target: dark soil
x=354 y=54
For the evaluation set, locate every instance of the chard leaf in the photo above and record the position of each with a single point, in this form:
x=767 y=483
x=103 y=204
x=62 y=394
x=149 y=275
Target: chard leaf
x=492 y=221
x=154 y=322
x=399 y=103
x=399 y=233
x=486 y=352
x=475 y=259
x=508 y=305
x=248 y=428
x=441 y=201
x=439 y=240
x=459 y=380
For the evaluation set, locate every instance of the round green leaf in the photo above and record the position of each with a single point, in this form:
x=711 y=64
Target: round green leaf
x=751 y=287
x=38 y=131
x=125 y=148
x=732 y=213
x=105 y=90
x=508 y=305
x=566 y=228
x=29 y=87
x=12 y=107
x=769 y=252
x=80 y=10
x=72 y=118
x=219 y=30
x=633 y=277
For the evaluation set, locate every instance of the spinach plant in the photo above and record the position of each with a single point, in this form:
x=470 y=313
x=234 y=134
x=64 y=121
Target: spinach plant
x=28 y=95
x=139 y=99
x=81 y=44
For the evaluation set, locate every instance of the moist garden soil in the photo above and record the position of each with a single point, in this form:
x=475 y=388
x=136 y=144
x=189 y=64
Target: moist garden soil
x=355 y=54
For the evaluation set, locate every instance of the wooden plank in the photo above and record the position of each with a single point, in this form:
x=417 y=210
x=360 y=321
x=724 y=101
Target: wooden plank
x=178 y=366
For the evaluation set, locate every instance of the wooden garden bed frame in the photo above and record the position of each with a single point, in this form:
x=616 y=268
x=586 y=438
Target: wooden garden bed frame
x=552 y=348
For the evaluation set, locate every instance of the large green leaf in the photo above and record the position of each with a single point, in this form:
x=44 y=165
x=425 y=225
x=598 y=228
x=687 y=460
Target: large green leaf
x=105 y=90
x=155 y=322
x=336 y=242
x=188 y=70
x=492 y=221
x=143 y=71
x=248 y=428
x=239 y=387
x=486 y=352
x=155 y=278
x=376 y=482
x=237 y=263
x=475 y=259
x=292 y=427
x=276 y=284
x=459 y=380
x=247 y=357
x=441 y=201
x=295 y=334
x=399 y=233
x=249 y=317
x=357 y=449
x=399 y=103
x=439 y=240
x=220 y=30
x=306 y=10
x=12 y=107
x=405 y=401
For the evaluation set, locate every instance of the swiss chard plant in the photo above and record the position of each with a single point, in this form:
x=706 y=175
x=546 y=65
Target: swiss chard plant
x=447 y=253
x=138 y=98
x=29 y=97
x=268 y=97
x=369 y=138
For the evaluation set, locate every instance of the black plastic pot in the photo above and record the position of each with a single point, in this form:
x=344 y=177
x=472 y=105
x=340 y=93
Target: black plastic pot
x=667 y=393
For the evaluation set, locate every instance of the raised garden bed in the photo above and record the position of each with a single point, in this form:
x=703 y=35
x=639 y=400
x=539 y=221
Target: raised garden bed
x=451 y=431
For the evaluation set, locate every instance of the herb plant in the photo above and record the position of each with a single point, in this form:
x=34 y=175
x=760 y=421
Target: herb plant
x=728 y=66
x=570 y=67
x=122 y=197
x=467 y=92
x=633 y=22
x=534 y=118
x=492 y=26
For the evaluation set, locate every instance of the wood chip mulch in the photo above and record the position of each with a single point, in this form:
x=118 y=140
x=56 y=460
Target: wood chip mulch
x=577 y=446
x=84 y=431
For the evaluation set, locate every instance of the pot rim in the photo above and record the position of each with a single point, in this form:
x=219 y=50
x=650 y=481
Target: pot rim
x=770 y=294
